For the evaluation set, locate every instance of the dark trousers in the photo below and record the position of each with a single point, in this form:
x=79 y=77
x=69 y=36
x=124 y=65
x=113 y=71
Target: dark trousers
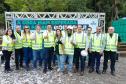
x=95 y=60
x=19 y=57
x=7 y=55
x=112 y=56
x=89 y=59
x=80 y=58
x=48 y=57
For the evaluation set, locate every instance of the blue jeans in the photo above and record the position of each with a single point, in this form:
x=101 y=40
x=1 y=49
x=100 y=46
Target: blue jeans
x=37 y=56
x=27 y=56
x=63 y=60
x=58 y=60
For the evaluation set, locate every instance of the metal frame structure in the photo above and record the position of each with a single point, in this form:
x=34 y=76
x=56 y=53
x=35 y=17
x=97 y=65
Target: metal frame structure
x=9 y=16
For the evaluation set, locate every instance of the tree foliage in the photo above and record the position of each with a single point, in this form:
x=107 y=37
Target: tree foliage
x=114 y=9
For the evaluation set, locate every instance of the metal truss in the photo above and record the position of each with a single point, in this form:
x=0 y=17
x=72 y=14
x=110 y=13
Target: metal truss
x=9 y=16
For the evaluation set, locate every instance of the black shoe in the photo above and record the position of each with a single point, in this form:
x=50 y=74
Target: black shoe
x=104 y=72
x=27 y=68
x=50 y=68
x=5 y=71
x=21 y=66
x=44 y=71
x=91 y=70
x=98 y=72
x=17 y=68
x=9 y=70
x=113 y=73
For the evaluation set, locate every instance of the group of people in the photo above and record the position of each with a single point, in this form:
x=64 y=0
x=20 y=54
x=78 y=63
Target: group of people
x=60 y=47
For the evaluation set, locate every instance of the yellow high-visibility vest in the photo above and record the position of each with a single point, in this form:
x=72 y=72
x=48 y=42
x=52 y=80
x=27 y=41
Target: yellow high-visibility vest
x=37 y=43
x=49 y=42
x=10 y=46
x=18 y=43
x=111 y=42
x=26 y=40
x=68 y=47
x=80 y=40
x=97 y=42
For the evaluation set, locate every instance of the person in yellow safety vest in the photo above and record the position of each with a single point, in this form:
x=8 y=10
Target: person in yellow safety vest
x=89 y=33
x=27 y=47
x=18 y=48
x=7 y=48
x=110 y=51
x=58 y=45
x=48 y=48
x=67 y=51
x=81 y=43
x=96 y=49
x=37 y=40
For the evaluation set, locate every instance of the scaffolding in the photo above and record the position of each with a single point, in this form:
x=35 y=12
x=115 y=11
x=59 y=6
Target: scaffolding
x=10 y=16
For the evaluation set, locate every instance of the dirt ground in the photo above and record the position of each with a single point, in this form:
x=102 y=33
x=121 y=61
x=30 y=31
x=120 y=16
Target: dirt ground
x=53 y=77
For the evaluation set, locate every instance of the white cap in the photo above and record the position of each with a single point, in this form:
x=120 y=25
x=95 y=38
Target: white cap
x=69 y=27
x=18 y=26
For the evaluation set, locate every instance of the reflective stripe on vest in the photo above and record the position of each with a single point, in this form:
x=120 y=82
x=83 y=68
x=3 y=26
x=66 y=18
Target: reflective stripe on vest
x=27 y=41
x=97 y=43
x=68 y=47
x=37 y=43
x=80 y=40
x=111 y=43
x=50 y=41
x=18 y=43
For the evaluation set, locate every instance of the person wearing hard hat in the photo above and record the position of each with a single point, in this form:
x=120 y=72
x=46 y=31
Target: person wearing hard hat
x=8 y=42
x=18 y=49
x=110 y=51
x=68 y=51
x=48 y=48
x=96 y=49
x=37 y=39
x=81 y=42
x=27 y=47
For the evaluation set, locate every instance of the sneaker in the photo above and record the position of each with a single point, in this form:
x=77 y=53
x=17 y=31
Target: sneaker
x=70 y=74
x=58 y=70
x=81 y=73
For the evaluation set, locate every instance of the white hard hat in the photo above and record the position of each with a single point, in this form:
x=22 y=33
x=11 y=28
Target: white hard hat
x=69 y=27
x=84 y=53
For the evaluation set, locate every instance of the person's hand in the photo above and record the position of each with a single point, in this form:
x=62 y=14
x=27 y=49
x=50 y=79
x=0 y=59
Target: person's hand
x=101 y=53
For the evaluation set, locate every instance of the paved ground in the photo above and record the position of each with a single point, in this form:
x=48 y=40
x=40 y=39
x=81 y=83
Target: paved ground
x=37 y=77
